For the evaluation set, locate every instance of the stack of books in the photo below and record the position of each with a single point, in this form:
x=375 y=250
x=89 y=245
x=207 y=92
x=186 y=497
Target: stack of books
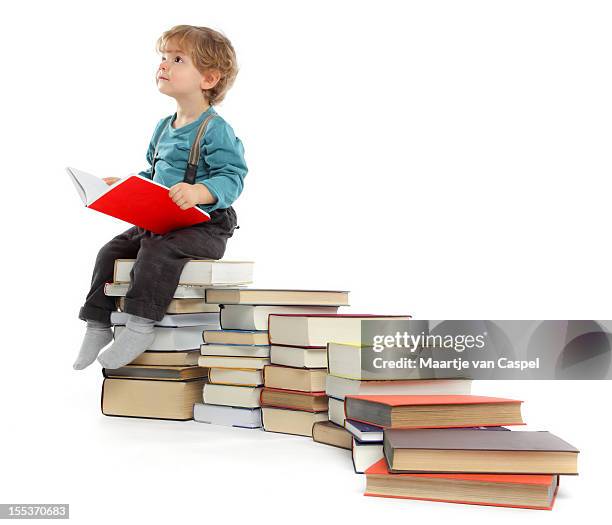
x=348 y=375
x=433 y=451
x=238 y=354
x=294 y=398
x=165 y=381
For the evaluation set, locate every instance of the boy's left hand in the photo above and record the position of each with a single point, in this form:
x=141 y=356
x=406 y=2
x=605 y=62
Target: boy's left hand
x=184 y=195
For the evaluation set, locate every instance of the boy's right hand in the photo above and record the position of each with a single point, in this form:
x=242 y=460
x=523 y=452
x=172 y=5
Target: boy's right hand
x=110 y=180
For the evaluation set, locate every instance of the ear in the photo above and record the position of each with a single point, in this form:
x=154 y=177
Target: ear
x=210 y=79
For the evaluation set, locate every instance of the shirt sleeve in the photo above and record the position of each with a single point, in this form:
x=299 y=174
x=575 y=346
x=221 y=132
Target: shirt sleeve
x=223 y=154
x=151 y=150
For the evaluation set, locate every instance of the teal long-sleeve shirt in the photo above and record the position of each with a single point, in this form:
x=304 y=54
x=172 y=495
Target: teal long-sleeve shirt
x=221 y=169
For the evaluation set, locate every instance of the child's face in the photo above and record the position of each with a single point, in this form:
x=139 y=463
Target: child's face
x=177 y=76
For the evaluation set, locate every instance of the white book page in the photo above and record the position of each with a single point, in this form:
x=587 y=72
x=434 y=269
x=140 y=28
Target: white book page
x=88 y=186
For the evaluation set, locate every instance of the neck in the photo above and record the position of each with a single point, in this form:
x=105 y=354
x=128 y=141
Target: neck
x=189 y=109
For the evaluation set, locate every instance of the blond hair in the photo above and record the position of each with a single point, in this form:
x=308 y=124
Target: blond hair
x=209 y=49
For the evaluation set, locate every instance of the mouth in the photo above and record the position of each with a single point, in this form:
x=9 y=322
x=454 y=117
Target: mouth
x=162 y=78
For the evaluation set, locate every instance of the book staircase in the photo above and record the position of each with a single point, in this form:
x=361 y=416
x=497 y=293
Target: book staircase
x=286 y=361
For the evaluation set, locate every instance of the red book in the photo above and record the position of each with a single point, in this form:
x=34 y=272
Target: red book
x=434 y=411
x=136 y=200
x=501 y=490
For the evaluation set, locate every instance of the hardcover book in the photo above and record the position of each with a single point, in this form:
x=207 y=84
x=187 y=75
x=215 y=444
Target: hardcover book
x=433 y=411
x=506 y=490
x=198 y=272
x=329 y=433
x=227 y=416
x=236 y=337
x=478 y=451
x=151 y=399
x=176 y=306
x=137 y=200
x=255 y=317
x=235 y=377
x=275 y=297
x=287 y=421
x=340 y=387
x=170 y=373
x=308 y=401
x=153 y=358
x=317 y=329
x=302 y=379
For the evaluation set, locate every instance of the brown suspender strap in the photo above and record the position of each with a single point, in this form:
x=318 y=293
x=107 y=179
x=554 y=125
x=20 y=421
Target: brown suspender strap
x=194 y=152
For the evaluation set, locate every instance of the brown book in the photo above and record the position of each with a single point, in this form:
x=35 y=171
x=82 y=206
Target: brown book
x=286 y=421
x=329 y=433
x=503 y=490
x=181 y=306
x=235 y=337
x=308 y=401
x=151 y=399
x=275 y=297
x=152 y=358
x=478 y=451
x=433 y=411
x=171 y=373
x=287 y=378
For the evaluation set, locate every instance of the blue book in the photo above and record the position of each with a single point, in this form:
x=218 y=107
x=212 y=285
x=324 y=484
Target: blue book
x=364 y=432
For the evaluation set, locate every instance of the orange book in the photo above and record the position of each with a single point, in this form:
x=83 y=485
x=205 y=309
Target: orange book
x=507 y=490
x=433 y=411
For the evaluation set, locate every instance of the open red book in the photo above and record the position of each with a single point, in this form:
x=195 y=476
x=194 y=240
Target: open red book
x=136 y=200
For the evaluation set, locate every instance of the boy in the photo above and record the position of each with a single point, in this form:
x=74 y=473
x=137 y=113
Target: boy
x=198 y=66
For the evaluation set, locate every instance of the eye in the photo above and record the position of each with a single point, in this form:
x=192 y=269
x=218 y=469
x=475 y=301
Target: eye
x=178 y=59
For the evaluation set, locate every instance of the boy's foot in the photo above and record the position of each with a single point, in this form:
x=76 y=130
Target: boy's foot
x=97 y=336
x=137 y=336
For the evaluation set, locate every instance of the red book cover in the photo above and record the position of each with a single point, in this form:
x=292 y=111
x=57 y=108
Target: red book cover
x=136 y=200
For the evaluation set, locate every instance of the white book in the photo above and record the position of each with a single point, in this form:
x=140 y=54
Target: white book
x=174 y=339
x=200 y=272
x=298 y=357
x=340 y=387
x=249 y=317
x=213 y=361
x=235 y=377
x=335 y=407
x=318 y=330
x=365 y=455
x=182 y=291
x=235 y=350
x=235 y=396
x=290 y=421
x=227 y=416
x=173 y=320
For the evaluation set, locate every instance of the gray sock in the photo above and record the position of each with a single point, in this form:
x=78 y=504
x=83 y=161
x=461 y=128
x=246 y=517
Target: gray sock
x=137 y=336
x=97 y=336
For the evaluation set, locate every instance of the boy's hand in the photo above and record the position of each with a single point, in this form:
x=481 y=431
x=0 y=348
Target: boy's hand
x=110 y=180
x=185 y=195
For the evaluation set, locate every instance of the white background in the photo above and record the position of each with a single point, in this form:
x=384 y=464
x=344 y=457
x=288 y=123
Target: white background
x=449 y=160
